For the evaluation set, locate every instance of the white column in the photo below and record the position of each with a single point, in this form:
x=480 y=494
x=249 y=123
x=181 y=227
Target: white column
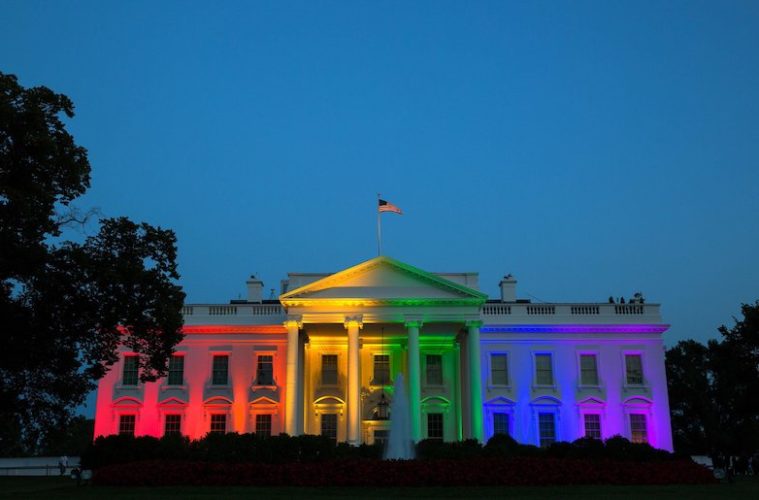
x=475 y=380
x=414 y=379
x=291 y=384
x=354 y=381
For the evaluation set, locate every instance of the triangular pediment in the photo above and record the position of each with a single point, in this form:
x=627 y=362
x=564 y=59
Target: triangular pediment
x=383 y=280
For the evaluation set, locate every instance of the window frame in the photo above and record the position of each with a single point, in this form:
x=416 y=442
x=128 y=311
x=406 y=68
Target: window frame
x=646 y=426
x=322 y=381
x=123 y=416
x=257 y=369
x=336 y=426
x=214 y=356
x=581 y=382
x=136 y=358
x=427 y=382
x=491 y=357
x=169 y=373
x=541 y=413
x=535 y=356
x=166 y=423
x=633 y=353
x=432 y=416
x=375 y=380
x=256 y=423
x=585 y=416
x=213 y=415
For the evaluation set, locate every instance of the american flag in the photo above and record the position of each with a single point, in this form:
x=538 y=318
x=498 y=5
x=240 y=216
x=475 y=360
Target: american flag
x=386 y=206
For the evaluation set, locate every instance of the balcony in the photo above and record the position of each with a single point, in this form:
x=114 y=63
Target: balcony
x=233 y=314
x=588 y=313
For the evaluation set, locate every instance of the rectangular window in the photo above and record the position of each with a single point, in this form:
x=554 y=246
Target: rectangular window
x=381 y=369
x=218 y=423
x=547 y=428
x=543 y=369
x=592 y=425
x=176 y=370
x=588 y=369
x=380 y=436
x=173 y=425
x=129 y=377
x=634 y=369
x=434 y=369
x=220 y=370
x=435 y=426
x=329 y=426
x=263 y=425
x=265 y=369
x=638 y=428
x=501 y=423
x=126 y=424
x=499 y=372
x=329 y=369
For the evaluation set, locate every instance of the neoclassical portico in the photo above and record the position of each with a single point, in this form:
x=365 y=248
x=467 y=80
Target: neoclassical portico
x=383 y=313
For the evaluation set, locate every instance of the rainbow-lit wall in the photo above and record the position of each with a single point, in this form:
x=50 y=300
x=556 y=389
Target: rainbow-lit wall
x=322 y=359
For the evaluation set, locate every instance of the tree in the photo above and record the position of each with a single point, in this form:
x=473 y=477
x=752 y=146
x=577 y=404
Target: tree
x=68 y=306
x=713 y=390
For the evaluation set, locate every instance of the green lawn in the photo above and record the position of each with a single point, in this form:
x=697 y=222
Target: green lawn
x=44 y=487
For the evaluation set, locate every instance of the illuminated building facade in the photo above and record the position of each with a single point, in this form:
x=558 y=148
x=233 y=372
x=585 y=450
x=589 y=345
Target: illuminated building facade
x=323 y=358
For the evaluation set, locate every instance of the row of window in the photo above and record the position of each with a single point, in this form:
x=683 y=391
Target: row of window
x=499 y=369
x=591 y=421
x=499 y=372
x=173 y=424
x=219 y=370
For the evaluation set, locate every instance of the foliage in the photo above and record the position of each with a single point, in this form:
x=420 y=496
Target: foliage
x=713 y=388
x=70 y=439
x=67 y=306
x=523 y=471
x=282 y=449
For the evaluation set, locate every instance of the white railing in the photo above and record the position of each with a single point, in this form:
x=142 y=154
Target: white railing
x=595 y=313
x=233 y=313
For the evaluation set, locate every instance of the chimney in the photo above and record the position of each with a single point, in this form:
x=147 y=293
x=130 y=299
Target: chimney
x=508 y=288
x=255 y=289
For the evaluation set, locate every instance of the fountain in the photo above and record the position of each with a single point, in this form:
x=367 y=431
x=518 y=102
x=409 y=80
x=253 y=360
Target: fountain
x=399 y=444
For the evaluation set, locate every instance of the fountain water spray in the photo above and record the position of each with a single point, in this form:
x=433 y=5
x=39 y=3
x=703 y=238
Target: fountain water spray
x=399 y=445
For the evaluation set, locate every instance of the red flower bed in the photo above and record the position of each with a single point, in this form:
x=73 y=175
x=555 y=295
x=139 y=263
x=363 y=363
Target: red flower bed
x=525 y=471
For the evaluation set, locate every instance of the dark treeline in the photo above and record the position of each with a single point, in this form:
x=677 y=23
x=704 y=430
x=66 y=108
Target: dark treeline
x=714 y=390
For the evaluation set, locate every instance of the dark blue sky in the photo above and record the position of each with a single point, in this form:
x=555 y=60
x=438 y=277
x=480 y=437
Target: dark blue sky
x=590 y=148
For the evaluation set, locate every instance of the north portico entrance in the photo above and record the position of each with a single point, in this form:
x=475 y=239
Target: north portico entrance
x=351 y=333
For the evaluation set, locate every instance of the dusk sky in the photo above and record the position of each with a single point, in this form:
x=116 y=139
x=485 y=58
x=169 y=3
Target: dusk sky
x=589 y=148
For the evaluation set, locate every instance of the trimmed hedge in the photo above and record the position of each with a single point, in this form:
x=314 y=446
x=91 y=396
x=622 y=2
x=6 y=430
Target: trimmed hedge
x=522 y=471
x=283 y=449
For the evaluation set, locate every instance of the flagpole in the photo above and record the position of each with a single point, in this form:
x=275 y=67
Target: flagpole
x=379 y=228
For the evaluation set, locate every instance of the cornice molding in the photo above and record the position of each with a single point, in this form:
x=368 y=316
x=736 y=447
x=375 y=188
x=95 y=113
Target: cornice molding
x=226 y=329
x=576 y=328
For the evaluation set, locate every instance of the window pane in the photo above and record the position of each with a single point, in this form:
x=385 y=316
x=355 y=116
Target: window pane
x=265 y=370
x=220 y=370
x=501 y=423
x=176 y=370
x=638 y=428
x=263 y=425
x=543 y=369
x=329 y=426
x=499 y=369
x=593 y=425
x=381 y=369
x=218 y=423
x=329 y=369
x=129 y=377
x=435 y=426
x=547 y=428
x=434 y=369
x=380 y=436
x=634 y=368
x=173 y=424
x=588 y=369
x=126 y=424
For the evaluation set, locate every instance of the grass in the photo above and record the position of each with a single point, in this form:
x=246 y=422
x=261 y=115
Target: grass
x=55 y=487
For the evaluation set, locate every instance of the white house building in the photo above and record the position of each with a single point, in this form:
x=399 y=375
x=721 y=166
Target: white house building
x=322 y=359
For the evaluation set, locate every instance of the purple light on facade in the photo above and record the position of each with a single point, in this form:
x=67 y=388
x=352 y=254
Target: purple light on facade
x=568 y=328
